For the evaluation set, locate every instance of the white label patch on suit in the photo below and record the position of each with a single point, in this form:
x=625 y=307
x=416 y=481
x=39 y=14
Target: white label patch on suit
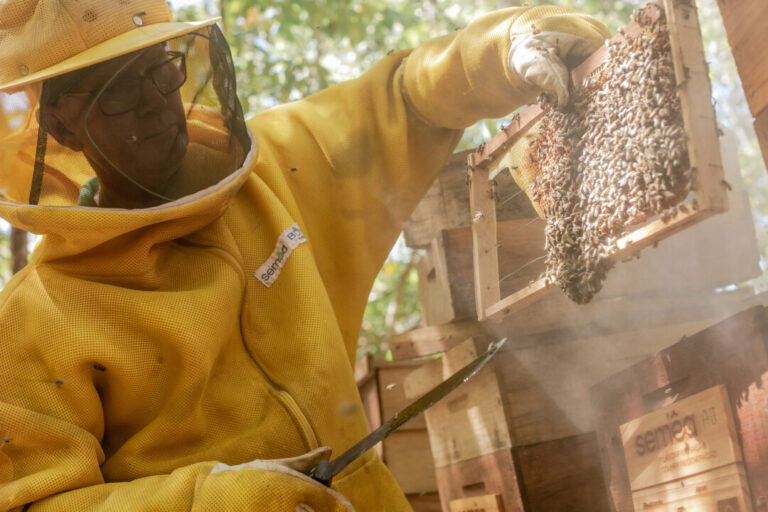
x=288 y=240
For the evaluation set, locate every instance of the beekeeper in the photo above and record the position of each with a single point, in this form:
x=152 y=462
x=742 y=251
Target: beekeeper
x=191 y=314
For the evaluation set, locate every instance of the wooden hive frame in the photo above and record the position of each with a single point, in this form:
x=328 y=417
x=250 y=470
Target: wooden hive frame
x=710 y=192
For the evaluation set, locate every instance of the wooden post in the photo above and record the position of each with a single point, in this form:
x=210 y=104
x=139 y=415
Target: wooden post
x=482 y=207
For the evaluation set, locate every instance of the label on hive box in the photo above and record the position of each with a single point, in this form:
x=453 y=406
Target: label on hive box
x=723 y=489
x=688 y=437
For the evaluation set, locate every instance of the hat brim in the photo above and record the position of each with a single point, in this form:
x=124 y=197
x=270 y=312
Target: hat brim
x=127 y=42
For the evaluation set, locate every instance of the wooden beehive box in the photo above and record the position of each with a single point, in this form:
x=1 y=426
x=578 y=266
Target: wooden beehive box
x=716 y=380
x=745 y=23
x=703 y=154
x=500 y=434
x=406 y=452
x=688 y=455
x=530 y=410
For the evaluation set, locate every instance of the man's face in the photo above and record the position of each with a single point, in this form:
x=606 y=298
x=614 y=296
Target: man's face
x=147 y=142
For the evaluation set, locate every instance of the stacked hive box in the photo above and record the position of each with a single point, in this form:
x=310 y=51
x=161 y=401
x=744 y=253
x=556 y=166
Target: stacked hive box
x=494 y=436
x=406 y=452
x=523 y=427
x=687 y=429
x=504 y=431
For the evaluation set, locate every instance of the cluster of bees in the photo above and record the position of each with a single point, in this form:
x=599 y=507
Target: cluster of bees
x=612 y=158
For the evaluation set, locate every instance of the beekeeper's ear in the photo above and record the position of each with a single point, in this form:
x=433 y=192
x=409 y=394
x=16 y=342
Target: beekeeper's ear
x=59 y=130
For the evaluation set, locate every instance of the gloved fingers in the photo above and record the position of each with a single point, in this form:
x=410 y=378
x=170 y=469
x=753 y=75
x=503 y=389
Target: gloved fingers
x=285 y=466
x=273 y=465
x=304 y=463
x=536 y=62
x=551 y=76
x=542 y=60
x=567 y=46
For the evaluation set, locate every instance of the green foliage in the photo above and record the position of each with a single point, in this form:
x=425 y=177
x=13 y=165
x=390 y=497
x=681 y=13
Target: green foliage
x=285 y=50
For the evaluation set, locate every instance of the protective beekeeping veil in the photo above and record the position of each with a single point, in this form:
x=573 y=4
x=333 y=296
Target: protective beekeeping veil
x=49 y=47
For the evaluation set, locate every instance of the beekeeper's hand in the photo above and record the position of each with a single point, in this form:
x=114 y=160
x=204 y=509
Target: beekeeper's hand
x=543 y=59
x=296 y=467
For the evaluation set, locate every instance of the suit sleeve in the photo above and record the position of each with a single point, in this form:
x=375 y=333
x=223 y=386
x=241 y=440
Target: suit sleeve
x=365 y=151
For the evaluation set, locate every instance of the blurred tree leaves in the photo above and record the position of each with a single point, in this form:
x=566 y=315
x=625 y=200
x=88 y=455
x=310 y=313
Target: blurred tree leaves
x=285 y=50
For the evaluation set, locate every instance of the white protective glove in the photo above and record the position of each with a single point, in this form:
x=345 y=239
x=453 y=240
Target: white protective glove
x=296 y=467
x=540 y=59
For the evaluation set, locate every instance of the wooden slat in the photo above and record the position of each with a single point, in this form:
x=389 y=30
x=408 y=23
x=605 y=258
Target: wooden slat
x=448 y=285
x=422 y=379
x=471 y=421
x=695 y=91
x=431 y=340
x=534 y=292
x=409 y=458
x=485 y=255
x=446 y=204
x=608 y=315
x=655 y=231
x=507 y=136
x=487 y=503
x=435 y=298
x=490 y=474
x=432 y=373
x=391 y=383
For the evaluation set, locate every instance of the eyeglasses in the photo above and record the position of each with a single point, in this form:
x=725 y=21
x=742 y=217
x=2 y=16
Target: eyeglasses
x=124 y=95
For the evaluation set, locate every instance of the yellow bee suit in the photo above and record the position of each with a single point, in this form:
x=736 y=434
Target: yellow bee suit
x=142 y=348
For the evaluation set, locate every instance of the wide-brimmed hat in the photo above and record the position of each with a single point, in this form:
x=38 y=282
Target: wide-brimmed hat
x=41 y=39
